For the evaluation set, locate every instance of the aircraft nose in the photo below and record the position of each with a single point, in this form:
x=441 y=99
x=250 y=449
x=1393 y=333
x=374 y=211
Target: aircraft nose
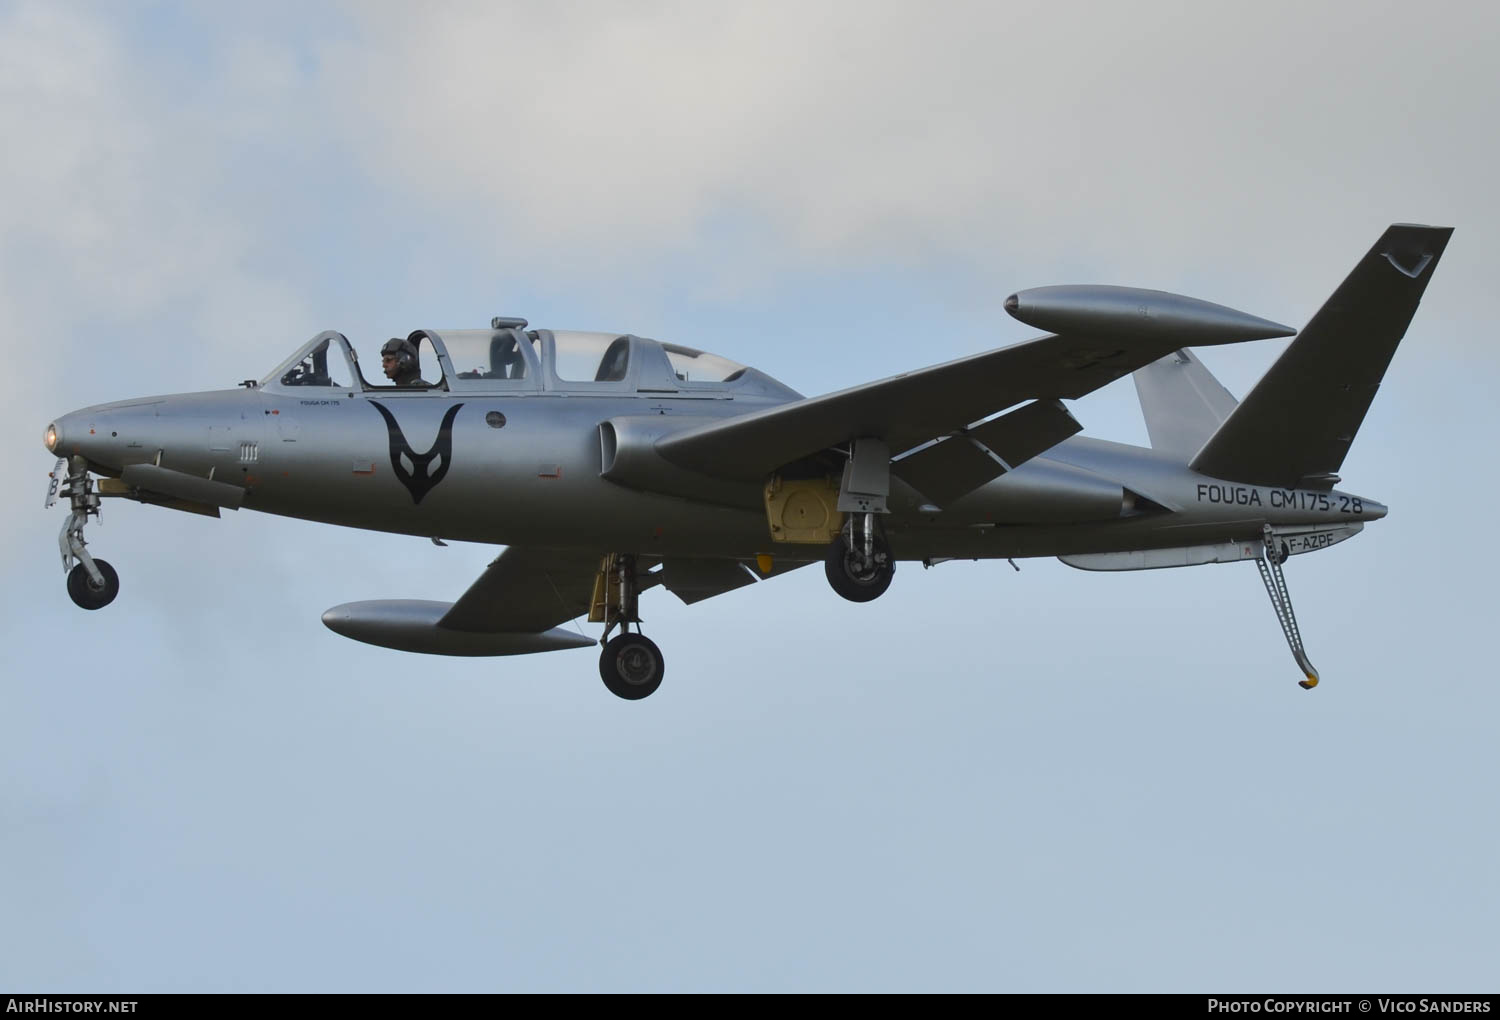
x=1374 y=510
x=78 y=434
x=65 y=436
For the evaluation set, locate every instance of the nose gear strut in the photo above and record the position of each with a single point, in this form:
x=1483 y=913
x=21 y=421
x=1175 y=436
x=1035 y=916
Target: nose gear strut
x=92 y=584
x=1269 y=561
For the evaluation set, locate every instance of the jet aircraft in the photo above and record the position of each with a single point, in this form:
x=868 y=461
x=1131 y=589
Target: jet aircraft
x=607 y=464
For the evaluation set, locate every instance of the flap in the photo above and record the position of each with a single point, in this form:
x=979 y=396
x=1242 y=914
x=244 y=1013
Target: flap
x=694 y=580
x=962 y=463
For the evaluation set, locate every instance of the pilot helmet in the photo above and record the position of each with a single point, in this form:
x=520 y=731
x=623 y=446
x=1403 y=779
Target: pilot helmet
x=404 y=351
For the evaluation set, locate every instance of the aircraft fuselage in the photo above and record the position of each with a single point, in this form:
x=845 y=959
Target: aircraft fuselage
x=525 y=470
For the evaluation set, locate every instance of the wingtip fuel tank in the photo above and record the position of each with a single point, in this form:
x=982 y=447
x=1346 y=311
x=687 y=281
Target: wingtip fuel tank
x=1133 y=311
x=413 y=625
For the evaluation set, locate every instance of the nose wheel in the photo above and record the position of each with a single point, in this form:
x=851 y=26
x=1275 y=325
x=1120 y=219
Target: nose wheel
x=87 y=593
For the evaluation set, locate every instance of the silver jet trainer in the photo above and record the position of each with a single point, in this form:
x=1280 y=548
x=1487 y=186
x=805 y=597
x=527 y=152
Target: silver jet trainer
x=608 y=464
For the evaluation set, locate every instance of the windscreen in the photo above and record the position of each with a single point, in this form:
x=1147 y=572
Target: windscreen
x=321 y=364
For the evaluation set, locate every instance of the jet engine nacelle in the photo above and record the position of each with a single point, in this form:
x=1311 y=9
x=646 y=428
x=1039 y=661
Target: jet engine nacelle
x=1043 y=491
x=628 y=457
x=1091 y=309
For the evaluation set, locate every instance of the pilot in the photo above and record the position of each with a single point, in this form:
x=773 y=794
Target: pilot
x=398 y=358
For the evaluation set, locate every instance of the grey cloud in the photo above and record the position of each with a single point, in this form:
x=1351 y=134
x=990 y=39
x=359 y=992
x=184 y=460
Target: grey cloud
x=118 y=224
x=888 y=131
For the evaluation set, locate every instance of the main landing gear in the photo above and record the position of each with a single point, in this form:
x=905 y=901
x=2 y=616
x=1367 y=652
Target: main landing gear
x=92 y=584
x=1271 y=557
x=630 y=665
x=859 y=564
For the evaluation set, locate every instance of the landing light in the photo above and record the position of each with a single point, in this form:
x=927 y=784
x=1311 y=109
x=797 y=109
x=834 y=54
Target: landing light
x=51 y=438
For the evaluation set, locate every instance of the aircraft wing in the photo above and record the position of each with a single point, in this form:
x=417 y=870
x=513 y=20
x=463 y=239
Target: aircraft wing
x=518 y=603
x=529 y=590
x=526 y=590
x=910 y=409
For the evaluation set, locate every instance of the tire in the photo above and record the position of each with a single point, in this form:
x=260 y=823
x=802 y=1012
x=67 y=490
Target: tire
x=855 y=580
x=87 y=595
x=631 y=666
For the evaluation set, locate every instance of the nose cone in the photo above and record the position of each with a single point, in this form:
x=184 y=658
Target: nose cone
x=87 y=433
x=67 y=435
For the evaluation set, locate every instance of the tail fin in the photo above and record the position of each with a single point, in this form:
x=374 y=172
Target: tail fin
x=1182 y=402
x=1295 y=427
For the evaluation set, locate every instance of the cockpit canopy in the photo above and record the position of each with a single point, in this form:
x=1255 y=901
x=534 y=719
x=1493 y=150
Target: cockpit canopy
x=508 y=358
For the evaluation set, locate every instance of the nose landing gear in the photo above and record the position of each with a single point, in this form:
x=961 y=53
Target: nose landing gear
x=92 y=584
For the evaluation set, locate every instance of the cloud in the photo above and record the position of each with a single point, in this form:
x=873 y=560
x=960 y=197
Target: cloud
x=130 y=252
x=888 y=132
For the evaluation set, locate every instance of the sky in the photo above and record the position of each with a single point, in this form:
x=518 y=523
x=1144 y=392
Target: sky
x=991 y=781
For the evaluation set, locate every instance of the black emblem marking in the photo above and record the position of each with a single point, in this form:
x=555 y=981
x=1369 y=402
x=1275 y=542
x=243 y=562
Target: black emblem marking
x=495 y=420
x=419 y=481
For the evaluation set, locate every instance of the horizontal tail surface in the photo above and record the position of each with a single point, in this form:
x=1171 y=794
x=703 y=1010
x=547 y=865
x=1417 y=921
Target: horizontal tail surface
x=1183 y=403
x=1295 y=427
